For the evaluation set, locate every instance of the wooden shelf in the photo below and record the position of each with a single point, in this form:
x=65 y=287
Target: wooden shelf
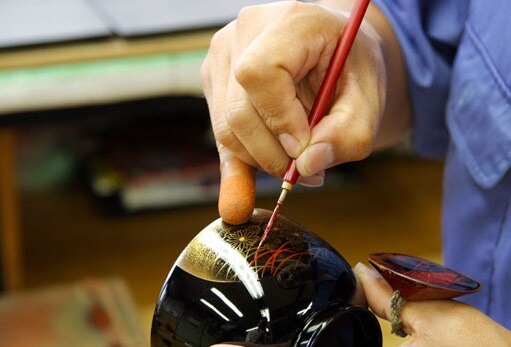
x=110 y=48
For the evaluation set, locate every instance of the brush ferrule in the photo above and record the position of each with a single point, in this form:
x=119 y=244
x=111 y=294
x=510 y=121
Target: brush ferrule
x=287 y=186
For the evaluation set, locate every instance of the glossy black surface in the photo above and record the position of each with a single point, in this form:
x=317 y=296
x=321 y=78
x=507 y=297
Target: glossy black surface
x=222 y=288
x=337 y=324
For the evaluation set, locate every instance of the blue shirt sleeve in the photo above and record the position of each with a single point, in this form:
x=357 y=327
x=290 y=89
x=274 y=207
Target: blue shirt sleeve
x=428 y=32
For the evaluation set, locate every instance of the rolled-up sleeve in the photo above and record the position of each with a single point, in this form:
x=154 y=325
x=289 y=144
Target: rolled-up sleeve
x=428 y=32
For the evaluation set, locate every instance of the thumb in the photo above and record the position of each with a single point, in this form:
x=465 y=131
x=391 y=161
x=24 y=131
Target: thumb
x=376 y=289
x=236 y=200
x=378 y=295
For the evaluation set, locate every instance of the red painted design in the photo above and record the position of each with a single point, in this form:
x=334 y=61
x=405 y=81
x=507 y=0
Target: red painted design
x=420 y=279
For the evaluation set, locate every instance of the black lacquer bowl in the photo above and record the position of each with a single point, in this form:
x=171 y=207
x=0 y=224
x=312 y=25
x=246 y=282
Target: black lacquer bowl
x=294 y=290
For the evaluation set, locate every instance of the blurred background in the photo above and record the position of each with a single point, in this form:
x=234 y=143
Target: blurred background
x=108 y=169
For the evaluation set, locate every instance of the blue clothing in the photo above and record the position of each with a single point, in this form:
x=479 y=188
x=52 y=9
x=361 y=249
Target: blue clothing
x=458 y=56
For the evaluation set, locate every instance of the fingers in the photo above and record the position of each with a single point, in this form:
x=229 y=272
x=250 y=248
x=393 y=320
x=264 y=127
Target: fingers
x=250 y=74
x=315 y=180
x=346 y=134
x=273 y=83
x=237 y=190
x=336 y=139
x=269 y=67
x=261 y=75
x=378 y=294
x=377 y=291
x=359 y=297
x=251 y=131
x=433 y=322
x=215 y=75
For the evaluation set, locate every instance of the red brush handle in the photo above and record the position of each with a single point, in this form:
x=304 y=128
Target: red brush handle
x=329 y=83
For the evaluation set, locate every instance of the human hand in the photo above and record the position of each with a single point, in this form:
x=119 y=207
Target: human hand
x=260 y=78
x=433 y=322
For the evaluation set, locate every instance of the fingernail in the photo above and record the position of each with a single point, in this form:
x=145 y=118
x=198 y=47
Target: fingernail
x=362 y=270
x=316 y=180
x=317 y=158
x=290 y=144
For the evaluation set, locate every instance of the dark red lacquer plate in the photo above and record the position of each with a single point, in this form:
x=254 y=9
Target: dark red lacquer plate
x=421 y=279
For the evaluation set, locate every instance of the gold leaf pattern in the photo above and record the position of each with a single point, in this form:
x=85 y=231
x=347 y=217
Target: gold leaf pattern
x=243 y=240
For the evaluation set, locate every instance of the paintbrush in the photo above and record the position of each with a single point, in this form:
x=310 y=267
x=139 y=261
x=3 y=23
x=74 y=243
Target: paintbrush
x=323 y=98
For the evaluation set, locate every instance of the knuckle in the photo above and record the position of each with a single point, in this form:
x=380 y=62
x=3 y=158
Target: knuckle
x=254 y=70
x=240 y=119
x=235 y=114
x=222 y=131
x=225 y=137
x=291 y=8
x=219 y=38
x=248 y=70
x=246 y=15
x=216 y=43
x=217 y=51
x=274 y=119
x=252 y=77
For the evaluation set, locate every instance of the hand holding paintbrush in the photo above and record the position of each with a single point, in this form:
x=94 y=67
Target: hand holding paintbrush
x=324 y=97
x=260 y=88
